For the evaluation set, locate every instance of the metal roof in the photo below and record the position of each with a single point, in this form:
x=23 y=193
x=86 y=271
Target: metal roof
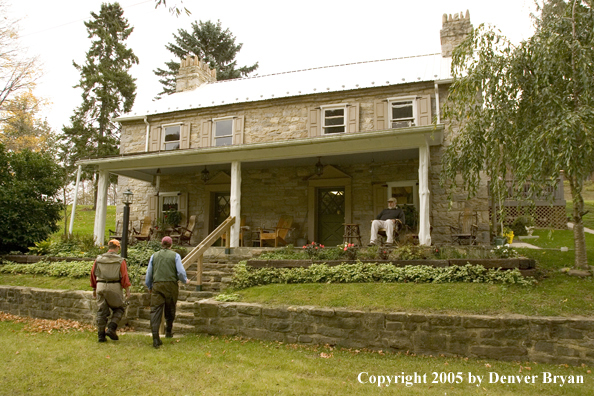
x=335 y=78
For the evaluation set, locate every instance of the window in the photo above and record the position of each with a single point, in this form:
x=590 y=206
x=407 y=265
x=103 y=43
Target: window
x=171 y=137
x=405 y=192
x=333 y=120
x=223 y=132
x=402 y=112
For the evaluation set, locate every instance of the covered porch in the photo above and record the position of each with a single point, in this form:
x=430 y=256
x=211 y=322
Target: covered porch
x=258 y=183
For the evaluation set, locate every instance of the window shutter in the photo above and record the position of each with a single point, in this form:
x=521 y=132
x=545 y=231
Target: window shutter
x=313 y=122
x=155 y=139
x=380 y=196
x=183 y=206
x=238 y=129
x=353 y=118
x=153 y=201
x=205 y=134
x=424 y=110
x=184 y=136
x=380 y=115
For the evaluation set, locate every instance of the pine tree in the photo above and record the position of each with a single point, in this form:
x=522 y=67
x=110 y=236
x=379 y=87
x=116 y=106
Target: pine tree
x=210 y=43
x=108 y=88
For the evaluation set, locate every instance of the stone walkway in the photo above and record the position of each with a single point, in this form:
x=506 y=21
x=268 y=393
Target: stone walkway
x=588 y=230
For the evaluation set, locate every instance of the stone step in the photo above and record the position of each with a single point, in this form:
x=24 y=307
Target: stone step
x=143 y=325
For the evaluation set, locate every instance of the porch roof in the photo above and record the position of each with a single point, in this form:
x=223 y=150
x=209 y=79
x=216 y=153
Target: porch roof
x=143 y=166
x=316 y=80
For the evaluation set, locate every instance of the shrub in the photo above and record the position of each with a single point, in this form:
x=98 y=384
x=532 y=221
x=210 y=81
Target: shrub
x=245 y=276
x=72 y=269
x=519 y=225
x=286 y=253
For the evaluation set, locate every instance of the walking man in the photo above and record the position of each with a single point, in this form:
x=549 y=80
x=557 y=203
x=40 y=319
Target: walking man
x=109 y=276
x=164 y=270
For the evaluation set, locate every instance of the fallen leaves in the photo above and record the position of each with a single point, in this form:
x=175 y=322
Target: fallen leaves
x=33 y=325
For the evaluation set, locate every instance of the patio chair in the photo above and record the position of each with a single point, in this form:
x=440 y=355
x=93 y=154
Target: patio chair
x=117 y=234
x=466 y=231
x=279 y=233
x=242 y=228
x=184 y=234
x=146 y=230
x=384 y=237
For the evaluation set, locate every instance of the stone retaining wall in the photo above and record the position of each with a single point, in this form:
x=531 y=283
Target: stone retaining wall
x=521 y=338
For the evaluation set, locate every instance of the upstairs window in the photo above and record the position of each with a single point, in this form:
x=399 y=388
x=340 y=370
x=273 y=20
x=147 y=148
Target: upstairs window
x=223 y=132
x=333 y=120
x=171 y=137
x=402 y=113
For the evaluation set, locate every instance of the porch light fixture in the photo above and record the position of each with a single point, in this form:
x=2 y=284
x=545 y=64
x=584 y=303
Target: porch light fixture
x=158 y=181
x=205 y=175
x=319 y=167
x=126 y=200
x=127 y=197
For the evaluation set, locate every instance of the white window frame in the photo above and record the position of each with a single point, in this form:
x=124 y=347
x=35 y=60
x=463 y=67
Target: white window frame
x=162 y=195
x=325 y=108
x=163 y=134
x=406 y=183
x=214 y=131
x=413 y=100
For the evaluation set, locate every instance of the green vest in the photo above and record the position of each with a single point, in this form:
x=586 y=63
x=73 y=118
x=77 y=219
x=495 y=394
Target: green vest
x=164 y=266
x=108 y=267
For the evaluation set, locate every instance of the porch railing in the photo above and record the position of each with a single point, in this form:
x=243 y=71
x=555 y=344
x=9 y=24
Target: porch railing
x=197 y=254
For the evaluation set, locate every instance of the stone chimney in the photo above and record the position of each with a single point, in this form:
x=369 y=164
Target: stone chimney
x=193 y=73
x=454 y=31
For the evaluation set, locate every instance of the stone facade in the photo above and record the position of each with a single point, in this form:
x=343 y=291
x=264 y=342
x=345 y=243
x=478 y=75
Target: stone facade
x=268 y=193
x=454 y=31
x=518 y=338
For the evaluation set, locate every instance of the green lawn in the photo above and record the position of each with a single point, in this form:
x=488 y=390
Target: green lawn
x=75 y=364
x=84 y=221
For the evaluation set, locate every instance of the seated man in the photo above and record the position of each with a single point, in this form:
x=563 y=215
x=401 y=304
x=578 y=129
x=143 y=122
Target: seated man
x=387 y=219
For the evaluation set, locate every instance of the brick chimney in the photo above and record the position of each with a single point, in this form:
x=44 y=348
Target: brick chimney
x=193 y=73
x=454 y=31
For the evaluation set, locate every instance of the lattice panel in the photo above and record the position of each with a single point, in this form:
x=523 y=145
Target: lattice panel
x=544 y=216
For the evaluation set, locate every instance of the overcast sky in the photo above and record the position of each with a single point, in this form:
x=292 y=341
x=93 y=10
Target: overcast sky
x=281 y=36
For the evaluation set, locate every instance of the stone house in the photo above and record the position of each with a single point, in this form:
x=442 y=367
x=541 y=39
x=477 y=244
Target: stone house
x=326 y=146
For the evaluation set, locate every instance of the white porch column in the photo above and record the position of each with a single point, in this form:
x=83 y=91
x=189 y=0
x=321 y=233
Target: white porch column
x=424 y=225
x=75 y=200
x=101 y=212
x=235 y=202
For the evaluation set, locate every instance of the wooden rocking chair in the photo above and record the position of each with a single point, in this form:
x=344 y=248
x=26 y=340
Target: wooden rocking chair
x=279 y=233
x=184 y=234
x=466 y=231
x=242 y=228
x=146 y=230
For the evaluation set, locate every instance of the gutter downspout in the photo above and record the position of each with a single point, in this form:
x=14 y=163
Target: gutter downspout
x=148 y=130
x=437 y=107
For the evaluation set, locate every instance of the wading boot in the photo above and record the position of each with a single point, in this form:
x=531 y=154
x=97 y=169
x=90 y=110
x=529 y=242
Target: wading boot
x=156 y=341
x=101 y=335
x=111 y=331
x=169 y=330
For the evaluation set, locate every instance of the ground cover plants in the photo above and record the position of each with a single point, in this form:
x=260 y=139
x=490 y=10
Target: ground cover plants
x=212 y=365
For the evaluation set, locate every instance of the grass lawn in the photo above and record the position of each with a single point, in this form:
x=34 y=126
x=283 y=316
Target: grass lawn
x=75 y=364
x=84 y=221
x=45 y=282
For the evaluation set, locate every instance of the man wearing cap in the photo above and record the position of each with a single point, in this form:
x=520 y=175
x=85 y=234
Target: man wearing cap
x=109 y=276
x=387 y=219
x=164 y=270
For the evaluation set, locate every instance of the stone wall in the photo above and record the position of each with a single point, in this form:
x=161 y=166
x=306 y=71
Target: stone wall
x=519 y=338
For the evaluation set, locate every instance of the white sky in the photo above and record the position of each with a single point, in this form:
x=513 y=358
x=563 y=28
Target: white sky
x=281 y=36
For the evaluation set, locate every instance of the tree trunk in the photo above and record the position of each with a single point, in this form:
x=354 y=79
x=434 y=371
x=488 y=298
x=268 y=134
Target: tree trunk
x=579 y=237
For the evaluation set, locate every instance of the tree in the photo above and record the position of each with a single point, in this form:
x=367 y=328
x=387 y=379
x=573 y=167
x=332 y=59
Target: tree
x=108 y=87
x=209 y=42
x=174 y=9
x=29 y=208
x=22 y=127
x=17 y=71
x=527 y=110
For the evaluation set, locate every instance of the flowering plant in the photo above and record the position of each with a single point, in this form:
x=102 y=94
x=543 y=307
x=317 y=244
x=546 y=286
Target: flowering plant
x=505 y=251
x=350 y=251
x=508 y=234
x=313 y=249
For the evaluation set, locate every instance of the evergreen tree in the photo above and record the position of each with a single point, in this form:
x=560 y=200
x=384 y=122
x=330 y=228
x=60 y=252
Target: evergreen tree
x=108 y=88
x=210 y=43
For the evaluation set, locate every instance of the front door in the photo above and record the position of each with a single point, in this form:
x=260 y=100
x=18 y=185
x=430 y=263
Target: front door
x=221 y=207
x=331 y=209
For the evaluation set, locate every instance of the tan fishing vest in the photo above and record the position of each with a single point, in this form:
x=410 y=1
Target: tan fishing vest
x=108 y=267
